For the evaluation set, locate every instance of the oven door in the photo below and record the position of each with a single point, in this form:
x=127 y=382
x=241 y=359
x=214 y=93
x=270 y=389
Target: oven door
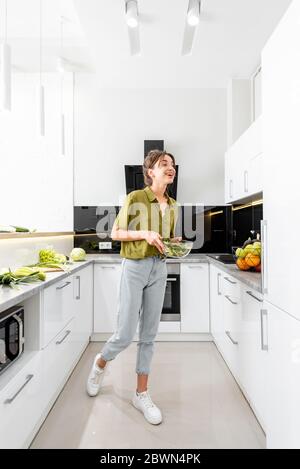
x=11 y=338
x=171 y=306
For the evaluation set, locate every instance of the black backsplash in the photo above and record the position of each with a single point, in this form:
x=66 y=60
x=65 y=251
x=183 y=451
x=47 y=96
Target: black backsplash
x=217 y=236
x=245 y=222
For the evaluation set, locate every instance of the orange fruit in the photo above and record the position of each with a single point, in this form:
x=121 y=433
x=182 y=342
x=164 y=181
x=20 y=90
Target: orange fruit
x=242 y=264
x=252 y=260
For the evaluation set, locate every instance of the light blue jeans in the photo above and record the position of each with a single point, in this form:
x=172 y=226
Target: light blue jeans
x=141 y=296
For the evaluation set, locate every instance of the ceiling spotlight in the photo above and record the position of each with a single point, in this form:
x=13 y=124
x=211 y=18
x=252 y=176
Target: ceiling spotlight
x=131 y=12
x=193 y=14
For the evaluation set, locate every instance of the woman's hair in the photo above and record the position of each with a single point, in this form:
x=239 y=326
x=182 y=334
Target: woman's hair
x=150 y=161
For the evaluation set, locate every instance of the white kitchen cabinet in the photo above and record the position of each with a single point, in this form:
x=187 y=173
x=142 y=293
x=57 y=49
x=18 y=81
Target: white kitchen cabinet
x=57 y=308
x=281 y=148
x=216 y=306
x=283 y=379
x=253 y=352
x=21 y=404
x=106 y=292
x=243 y=164
x=232 y=307
x=194 y=297
x=83 y=303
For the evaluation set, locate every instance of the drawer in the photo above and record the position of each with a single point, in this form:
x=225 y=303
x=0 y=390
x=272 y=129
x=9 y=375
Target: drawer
x=59 y=358
x=22 y=403
x=232 y=331
x=58 y=308
x=231 y=286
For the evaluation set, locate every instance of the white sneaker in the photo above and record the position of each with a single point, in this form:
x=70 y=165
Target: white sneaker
x=143 y=402
x=95 y=378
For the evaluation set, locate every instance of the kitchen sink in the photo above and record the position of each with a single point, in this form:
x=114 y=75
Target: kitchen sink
x=225 y=258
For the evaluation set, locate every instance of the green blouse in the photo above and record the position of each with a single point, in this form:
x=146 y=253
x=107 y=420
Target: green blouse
x=141 y=211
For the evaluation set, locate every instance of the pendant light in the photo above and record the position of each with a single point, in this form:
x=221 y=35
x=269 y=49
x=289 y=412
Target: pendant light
x=5 y=79
x=41 y=90
x=62 y=115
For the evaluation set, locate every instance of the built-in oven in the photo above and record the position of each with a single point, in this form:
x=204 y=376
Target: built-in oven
x=11 y=336
x=171 y=306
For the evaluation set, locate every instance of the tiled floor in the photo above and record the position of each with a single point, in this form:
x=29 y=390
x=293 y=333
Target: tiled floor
x=201 y=403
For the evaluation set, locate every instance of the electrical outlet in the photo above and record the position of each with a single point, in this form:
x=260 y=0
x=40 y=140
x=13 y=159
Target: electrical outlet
x=105 y=245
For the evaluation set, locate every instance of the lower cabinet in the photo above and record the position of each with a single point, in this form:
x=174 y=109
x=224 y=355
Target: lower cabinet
x=83 y=304
x=21 y=404
x=239 y=328
x=66 y=323
x=216 y=306
x=194 y=294
x=283 y=379
x=254 y=352
x=106 y=287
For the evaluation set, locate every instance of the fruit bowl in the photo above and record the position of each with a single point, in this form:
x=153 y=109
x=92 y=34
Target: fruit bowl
x=248 y=257
x=176 y=250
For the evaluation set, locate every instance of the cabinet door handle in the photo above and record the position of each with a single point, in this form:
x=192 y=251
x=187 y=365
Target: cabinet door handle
x=64 y=338
x=108 y=266
x=263 y=314
x=78 y=291
x=230 y=281
x=253 y=296
x=264 y=270
x=63 y=286
x=246 y=181
x=233 y=341
x=231 y=188
x=11 y=399
x=218 y=284
x=195 y=267
x=231 y=301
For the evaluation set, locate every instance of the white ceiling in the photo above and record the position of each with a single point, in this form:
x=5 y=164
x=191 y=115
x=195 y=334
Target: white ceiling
x=228 y=41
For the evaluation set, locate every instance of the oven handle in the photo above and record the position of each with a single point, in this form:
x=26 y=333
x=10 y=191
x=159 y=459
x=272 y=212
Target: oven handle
x=21 y=338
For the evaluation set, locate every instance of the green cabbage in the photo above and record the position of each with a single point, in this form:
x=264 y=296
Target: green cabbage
x=77 y=254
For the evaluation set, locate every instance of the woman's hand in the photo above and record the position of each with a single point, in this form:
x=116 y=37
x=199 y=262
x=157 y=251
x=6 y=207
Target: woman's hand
x=154 y=239
x=177 y=239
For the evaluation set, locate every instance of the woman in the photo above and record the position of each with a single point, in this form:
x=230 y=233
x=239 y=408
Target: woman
x=148 y=215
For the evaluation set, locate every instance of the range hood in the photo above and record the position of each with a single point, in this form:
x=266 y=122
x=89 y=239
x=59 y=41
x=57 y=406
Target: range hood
x=134 y=177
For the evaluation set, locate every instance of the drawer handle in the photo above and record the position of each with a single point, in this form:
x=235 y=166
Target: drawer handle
x=253 y=296
x=64 y=338
x=11 y=399
x=231 y=301
x=79 y=292
x=63 y=286
x=233 y=341
x=195 y=267
x=230 y=281
x=108 y=267
x=171 y=279
x=263 y=314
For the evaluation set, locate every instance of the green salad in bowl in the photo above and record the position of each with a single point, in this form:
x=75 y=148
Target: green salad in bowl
x=177 y=249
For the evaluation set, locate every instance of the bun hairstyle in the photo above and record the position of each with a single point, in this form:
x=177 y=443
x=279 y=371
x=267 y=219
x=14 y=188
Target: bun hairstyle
x=150 y=161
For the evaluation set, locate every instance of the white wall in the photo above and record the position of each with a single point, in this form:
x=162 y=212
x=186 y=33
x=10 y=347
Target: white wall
x=112 y=124
x=238 y=109
x=36 y=182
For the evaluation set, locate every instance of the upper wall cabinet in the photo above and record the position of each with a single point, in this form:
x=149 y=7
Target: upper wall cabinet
x=243 y=165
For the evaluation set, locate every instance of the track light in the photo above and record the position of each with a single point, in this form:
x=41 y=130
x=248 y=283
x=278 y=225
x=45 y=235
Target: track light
x=131 y=12
x=193 y=14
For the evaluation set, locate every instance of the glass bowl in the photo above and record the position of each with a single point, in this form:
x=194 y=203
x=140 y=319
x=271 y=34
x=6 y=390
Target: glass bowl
x=177 y=250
